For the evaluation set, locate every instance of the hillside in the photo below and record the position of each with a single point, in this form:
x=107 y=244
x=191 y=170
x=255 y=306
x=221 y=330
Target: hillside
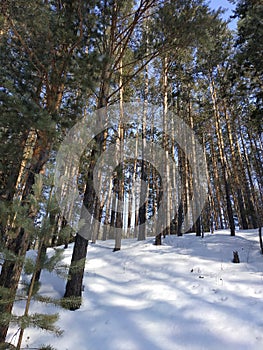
x=186 y=294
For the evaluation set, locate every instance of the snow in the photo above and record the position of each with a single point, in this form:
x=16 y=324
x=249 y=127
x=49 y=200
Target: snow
x=186 y=294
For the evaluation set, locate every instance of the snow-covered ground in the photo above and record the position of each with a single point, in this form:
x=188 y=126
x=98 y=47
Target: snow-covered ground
x=185 y=294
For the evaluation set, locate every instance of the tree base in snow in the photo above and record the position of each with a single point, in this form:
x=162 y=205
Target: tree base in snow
x=260 y=239
x=236 y=258
x=158 y=239
x=116 y=249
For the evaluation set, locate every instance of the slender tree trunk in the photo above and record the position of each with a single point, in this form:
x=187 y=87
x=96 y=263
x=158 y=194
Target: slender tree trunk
x=210 y=212
x=174 y=197
x=38 y=265
x=142 y=209
x=120 y=171
x=107 y=219
x=166 y=170
x=217 y=188
x=260 y=239
x=113 y=212
x=223 y=160
x=237 y=183
x=134 y=198
x=251 y=193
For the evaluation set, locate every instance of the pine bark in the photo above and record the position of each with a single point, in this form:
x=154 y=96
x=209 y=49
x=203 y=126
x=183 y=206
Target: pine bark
x=76 y=273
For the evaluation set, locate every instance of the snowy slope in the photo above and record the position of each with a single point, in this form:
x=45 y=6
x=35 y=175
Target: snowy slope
x=186 y=295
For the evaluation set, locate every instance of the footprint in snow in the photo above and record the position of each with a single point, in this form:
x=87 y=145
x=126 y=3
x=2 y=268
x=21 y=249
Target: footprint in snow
x=194 y=286
x=224 y=298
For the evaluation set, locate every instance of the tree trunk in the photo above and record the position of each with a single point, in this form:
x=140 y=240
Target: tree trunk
x=158 y=239
x=223 y=160
x=77 y=265
x=237 y=183
x=260 y=239
x=218 y=193
x=10 y=275
x=165 y=146
x=76 y=272
x=142 y=209
x=252 y=199
x=198 y=227
x=11 y=270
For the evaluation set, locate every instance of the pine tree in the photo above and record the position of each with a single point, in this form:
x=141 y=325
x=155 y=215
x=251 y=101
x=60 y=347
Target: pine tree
x=249 y=52
x=45 y=72
x=40 y=235
x=248 y=75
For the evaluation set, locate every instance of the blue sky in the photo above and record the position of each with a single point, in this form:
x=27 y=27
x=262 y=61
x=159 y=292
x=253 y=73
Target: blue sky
x=224 y=4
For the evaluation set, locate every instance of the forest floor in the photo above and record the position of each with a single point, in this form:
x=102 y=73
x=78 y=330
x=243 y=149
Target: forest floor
x=184 y=295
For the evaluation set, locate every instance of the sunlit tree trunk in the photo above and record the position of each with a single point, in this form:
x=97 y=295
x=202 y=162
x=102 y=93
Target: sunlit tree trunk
x=221 y=147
